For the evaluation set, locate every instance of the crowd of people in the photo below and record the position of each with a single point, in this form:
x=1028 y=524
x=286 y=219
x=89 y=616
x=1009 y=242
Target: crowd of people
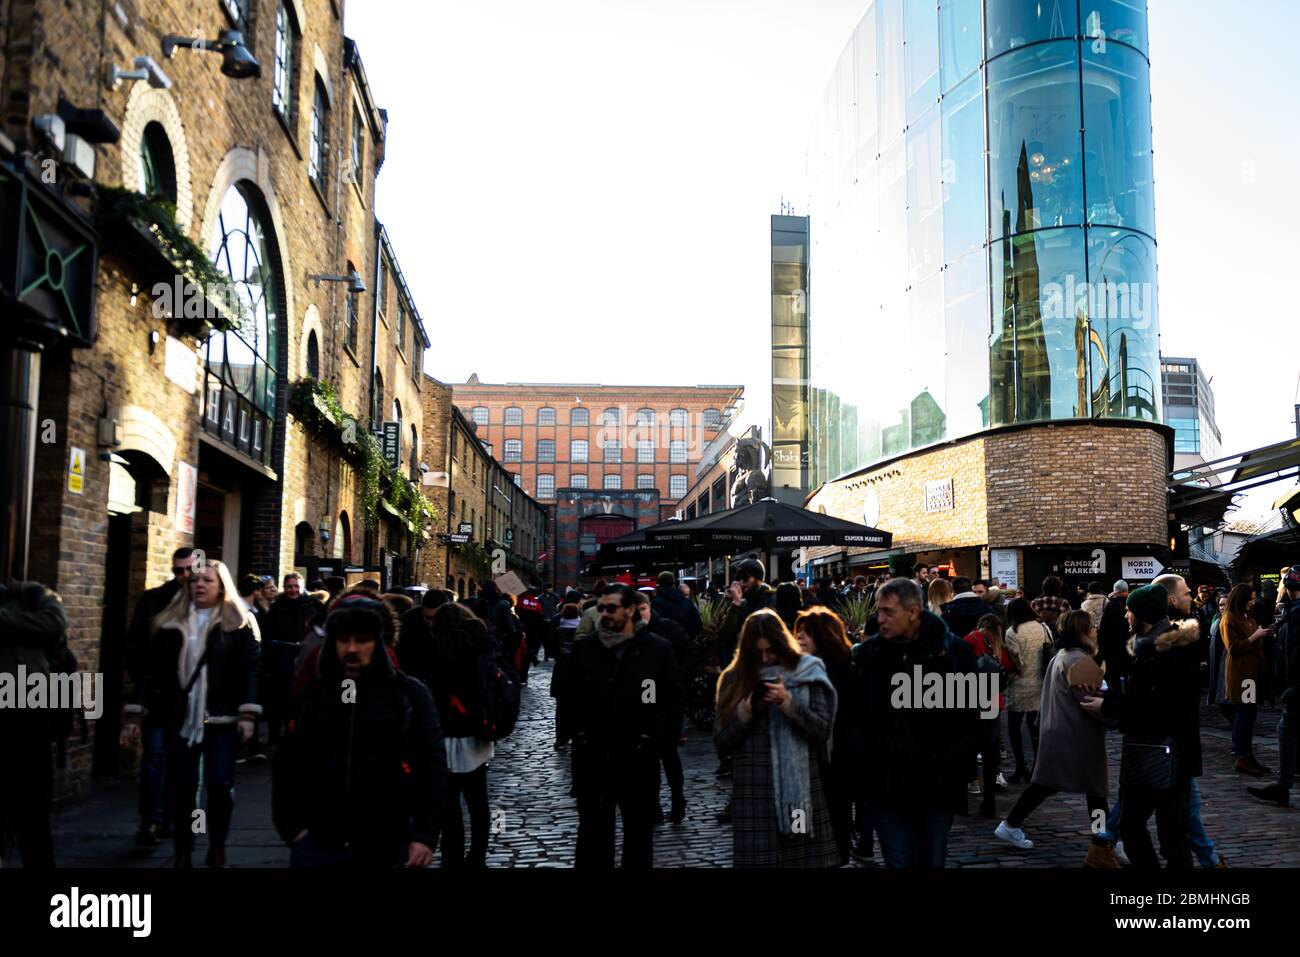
x=384 y=711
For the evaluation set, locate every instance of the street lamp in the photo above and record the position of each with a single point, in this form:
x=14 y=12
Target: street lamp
x=236 y=61
x=353 y=279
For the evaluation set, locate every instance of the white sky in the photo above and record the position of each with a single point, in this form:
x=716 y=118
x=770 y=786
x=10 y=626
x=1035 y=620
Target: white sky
x=580 y=190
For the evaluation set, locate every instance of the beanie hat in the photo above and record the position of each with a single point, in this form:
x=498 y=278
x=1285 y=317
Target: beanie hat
x=751 y=568
x=1292 y=580
x=1150 y=603
x=357 y=614
x=667 y=579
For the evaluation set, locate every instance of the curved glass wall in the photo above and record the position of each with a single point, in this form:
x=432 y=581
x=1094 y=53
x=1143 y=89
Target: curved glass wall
x=983 y=225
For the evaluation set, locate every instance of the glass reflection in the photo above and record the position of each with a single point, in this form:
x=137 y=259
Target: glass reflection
x=959 y=41
x=1117 y=120
x=1035 y=174
x=964 y=226
x=921 y=19
x=1121 y=21
x=1124 y=323
x=1016 y=23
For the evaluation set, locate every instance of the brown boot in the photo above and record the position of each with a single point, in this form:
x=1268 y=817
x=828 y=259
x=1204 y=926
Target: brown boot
x=1101 y=856
x=1249 y=766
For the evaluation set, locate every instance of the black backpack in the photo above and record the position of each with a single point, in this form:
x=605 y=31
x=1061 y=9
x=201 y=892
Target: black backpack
x=1047 y=652
x=498 y=702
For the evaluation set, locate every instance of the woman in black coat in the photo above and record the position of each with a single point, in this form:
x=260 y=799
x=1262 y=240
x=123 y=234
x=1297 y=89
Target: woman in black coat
x=201 y=683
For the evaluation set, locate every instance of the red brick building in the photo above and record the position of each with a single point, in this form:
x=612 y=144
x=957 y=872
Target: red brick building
x=598 y=438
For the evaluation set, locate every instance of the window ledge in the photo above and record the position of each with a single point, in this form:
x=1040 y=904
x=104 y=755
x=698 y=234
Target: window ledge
x=288 y=131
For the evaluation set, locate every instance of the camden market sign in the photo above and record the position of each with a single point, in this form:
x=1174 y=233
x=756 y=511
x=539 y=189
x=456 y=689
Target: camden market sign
x=48 y=258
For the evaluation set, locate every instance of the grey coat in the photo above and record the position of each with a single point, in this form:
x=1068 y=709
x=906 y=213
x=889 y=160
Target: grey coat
x=1072 y=743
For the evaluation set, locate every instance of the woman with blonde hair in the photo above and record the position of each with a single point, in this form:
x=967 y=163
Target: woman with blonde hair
x=775 y=712
x=201 y=682
x=939 y=595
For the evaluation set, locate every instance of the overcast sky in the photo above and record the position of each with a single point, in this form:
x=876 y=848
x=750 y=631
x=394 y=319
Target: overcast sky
x=580 y=190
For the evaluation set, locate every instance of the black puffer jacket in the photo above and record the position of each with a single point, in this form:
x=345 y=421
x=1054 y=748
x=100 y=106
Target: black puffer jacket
x=916 y=758
x=451 y=674
x=368 y=774
x=1162 y=694
x=611 y=716
x=287 y=618
x=234 y=663
x=671 y=603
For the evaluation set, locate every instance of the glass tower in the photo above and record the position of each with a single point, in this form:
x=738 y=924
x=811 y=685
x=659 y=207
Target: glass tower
x=983 y=225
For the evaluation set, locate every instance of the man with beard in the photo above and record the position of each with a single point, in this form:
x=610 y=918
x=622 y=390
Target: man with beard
x=626 y=696
x=361 y=779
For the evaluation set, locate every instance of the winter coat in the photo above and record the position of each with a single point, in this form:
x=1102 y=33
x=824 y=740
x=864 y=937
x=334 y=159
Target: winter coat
x=1071 y=752
x=1161 y=696
x=1049 y=609
x=565 y=631
x=756 y=838
x=671 y=603
x=451 y=674
x=139 y=633
x=1025 y=644
x=1094 y=605
x=1245 y=661
x=729 y=632
x=233 y=660
x=917 y=758
x=606 y=691
x=32 y=626
x=1112 y=641
x=963 y=613
x=368 y=772
x=287 y=618
x=675 y=635
x=848 y=754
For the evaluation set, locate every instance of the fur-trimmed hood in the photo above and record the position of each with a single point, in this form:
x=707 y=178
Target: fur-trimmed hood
x=1166 y=635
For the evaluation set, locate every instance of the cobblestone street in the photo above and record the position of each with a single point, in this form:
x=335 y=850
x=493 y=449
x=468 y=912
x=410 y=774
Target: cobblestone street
x=536 y=821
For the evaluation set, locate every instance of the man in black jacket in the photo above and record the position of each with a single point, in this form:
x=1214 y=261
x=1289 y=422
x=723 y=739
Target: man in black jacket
x=1287 y=676
x=918 y=759
x=676 y=636
x=963 y=613
x=283 y=625
x=627 y=700
x=361 y=779
x=669 y=602
x=154 y=806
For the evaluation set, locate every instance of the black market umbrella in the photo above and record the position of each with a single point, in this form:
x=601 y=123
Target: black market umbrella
x=633 y=549
x=769 y=525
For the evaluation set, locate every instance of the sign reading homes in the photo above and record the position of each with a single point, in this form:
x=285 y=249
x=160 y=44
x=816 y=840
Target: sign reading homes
x=392 y=440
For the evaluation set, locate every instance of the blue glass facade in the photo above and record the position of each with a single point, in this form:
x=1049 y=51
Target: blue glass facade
x=983 y=225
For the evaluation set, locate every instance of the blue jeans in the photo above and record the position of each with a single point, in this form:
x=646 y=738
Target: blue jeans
x=218 y=751
x=153 y=774
x=1243 y=729
x=1202 y=846
x=912 y=838
x=1112 y=824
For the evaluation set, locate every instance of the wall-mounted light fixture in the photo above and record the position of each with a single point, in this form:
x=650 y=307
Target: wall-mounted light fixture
x=353 y=279
x=145 y=69
x=236 y=61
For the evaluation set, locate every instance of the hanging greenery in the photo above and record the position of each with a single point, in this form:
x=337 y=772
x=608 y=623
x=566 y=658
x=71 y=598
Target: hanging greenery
x=480 y=562
x=316 y=405
x=157 y=217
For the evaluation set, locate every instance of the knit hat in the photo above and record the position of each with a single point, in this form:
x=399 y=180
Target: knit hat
x=1120 y=586
x=1150 y=603
x=357 y=614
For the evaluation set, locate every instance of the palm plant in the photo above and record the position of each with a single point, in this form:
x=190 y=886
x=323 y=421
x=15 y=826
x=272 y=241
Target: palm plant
x=855 y=612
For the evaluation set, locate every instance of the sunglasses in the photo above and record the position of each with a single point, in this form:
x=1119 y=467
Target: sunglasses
x=608 y=609
x=181 y=570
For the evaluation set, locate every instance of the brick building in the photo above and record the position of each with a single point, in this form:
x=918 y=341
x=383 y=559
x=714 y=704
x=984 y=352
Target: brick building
x=183 y=419
x=607 y=438
x=473 y=494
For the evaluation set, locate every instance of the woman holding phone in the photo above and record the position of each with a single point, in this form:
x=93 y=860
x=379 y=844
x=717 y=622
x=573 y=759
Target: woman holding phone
x=775 y=712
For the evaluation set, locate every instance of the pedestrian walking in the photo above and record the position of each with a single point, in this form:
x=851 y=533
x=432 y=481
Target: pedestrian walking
x=940 y=593
x=1246 y=675
x=361 y=778
x=820 y=632
x=566 y=630
x=787 y=603
x=1094 y=603
x=33 y=628
x=775 y=715
x=1159 y=718
x=284 y=625
x=627 y=707
x=201 y=683
x=155 y=806
x=962 y=613
x=682 y=647
x=671 y=602
x=1028 y=643
x=1073 y=741
x=1050 y=605
x=919 y=760
x=986 y=640
x=1287 y=677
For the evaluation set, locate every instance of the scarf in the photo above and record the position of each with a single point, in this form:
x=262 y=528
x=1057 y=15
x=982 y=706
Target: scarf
x=791 y=768
x=194 y=633
x=612 y=639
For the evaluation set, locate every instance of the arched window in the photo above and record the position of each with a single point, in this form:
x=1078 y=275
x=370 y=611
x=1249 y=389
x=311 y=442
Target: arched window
x=678 y=419
x=313 y=355
x=545 y=416
x=415 y=454
x=645 y=418
x=358 y=157
x=318 y=148
x=514 y=416
x=578 y=417
x=283 y=91
x=343 y=540
x=303 y=537
x=479 y=415
x=157 y=170
x=240 y=394
x=352 y=320
x=612 y=417
x=514 y=450
x=397 y=417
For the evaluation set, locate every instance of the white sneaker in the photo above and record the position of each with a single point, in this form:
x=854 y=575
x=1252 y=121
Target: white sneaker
x=1001 y=781
x=1013 y=835
x=973 y=788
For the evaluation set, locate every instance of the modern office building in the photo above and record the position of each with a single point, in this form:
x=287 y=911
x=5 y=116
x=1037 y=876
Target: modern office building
x=984 y=351
x=1188 y=403
x=790 y=358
